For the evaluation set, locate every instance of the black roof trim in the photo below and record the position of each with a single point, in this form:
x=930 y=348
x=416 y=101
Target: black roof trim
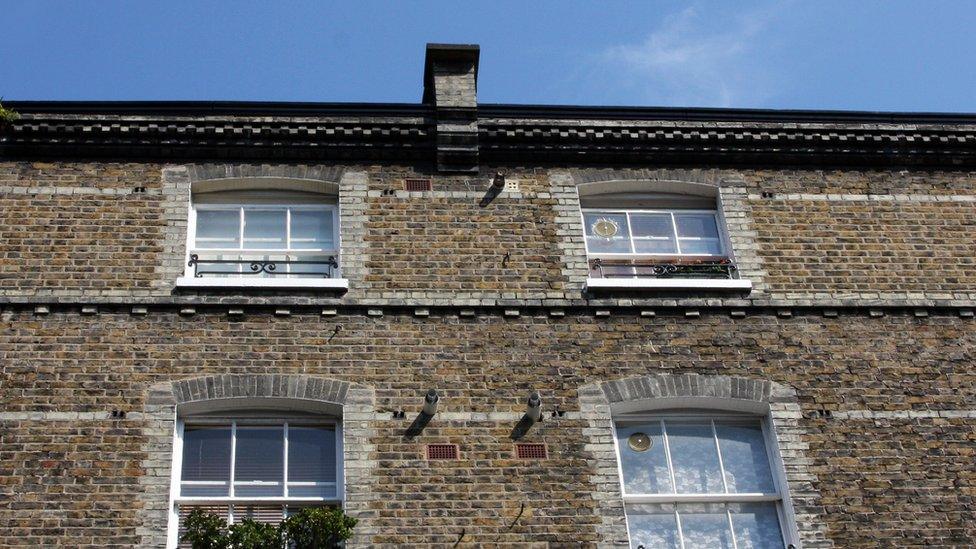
x=719 y=114
x=218 y=108
x=552 y=112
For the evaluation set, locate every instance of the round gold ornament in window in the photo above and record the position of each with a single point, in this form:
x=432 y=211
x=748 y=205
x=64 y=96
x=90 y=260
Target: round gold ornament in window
x=607 y=228
x=639 y=442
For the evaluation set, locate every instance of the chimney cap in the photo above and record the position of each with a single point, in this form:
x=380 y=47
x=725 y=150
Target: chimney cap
x=440 y=53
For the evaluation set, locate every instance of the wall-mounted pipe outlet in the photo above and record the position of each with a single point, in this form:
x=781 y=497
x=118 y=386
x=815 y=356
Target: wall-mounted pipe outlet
x=426 y=413
x=498 y=181
x=533 y=410
x=533 y=415
x=430 y=402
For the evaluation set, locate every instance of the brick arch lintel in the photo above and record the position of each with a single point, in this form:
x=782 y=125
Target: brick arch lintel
x=250 y=386
x=209 y=172
x=661 y=391
x=715 y=178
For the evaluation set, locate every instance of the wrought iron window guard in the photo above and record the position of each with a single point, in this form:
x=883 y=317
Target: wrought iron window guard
x=627 y=268
x=262 y=267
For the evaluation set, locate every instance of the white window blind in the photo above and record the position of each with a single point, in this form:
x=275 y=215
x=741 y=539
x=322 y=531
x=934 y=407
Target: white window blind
x=283 y=461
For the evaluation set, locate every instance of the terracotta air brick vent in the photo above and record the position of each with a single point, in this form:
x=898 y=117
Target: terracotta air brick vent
x=442 y=451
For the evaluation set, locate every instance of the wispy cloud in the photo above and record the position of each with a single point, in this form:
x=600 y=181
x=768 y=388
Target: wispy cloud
x=691 y=60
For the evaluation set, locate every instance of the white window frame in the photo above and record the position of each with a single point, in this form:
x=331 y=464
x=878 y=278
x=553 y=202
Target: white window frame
x=188 y=280
x=240 y=250
x=176 y=499
x=722 y=235
x=784 y=508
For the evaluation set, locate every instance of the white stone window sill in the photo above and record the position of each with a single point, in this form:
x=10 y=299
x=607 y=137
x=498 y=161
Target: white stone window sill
x=264 y=283
x=716 y=284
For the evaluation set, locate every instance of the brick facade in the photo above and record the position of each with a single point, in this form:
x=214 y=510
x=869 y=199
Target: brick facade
x=857 y=339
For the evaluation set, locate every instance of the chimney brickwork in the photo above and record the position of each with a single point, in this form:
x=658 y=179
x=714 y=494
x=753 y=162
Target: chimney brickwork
x=451 y=88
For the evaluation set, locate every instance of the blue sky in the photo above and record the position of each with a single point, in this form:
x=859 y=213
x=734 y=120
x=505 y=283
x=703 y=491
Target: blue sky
x=818 y=54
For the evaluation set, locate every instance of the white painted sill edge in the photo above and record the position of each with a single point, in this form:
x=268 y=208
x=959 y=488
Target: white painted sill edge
x=667 y=284
x=271 y=283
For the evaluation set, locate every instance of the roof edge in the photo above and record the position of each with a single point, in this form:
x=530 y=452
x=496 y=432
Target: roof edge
x=217 y=108
x=488 y=110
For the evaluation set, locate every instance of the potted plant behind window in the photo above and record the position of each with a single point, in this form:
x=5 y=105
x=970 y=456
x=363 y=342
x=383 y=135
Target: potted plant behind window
x=318 y=528
x=310 y=528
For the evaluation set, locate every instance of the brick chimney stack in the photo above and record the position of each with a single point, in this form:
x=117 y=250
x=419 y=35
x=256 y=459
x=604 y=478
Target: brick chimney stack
x=451 y=87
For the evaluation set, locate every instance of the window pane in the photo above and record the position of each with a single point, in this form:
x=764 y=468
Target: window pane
x=258 y=490
x=307 y=491
x=309 y=270
x=311 y=230
x=694 y=458
x=596 y=244
x=744 y=457
x=260 y=454
x=644 y=472
x=218 y=229
x=756 y=526
x=658 y=225
x=206 y=454
x=207 y=267
x=705 y=526
x=264 y=229
x=655 y=246
x=701 y=247
x=311 y=454
x=696 y=225
x=606 y=232
x=652 y=525
x=204 y=490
